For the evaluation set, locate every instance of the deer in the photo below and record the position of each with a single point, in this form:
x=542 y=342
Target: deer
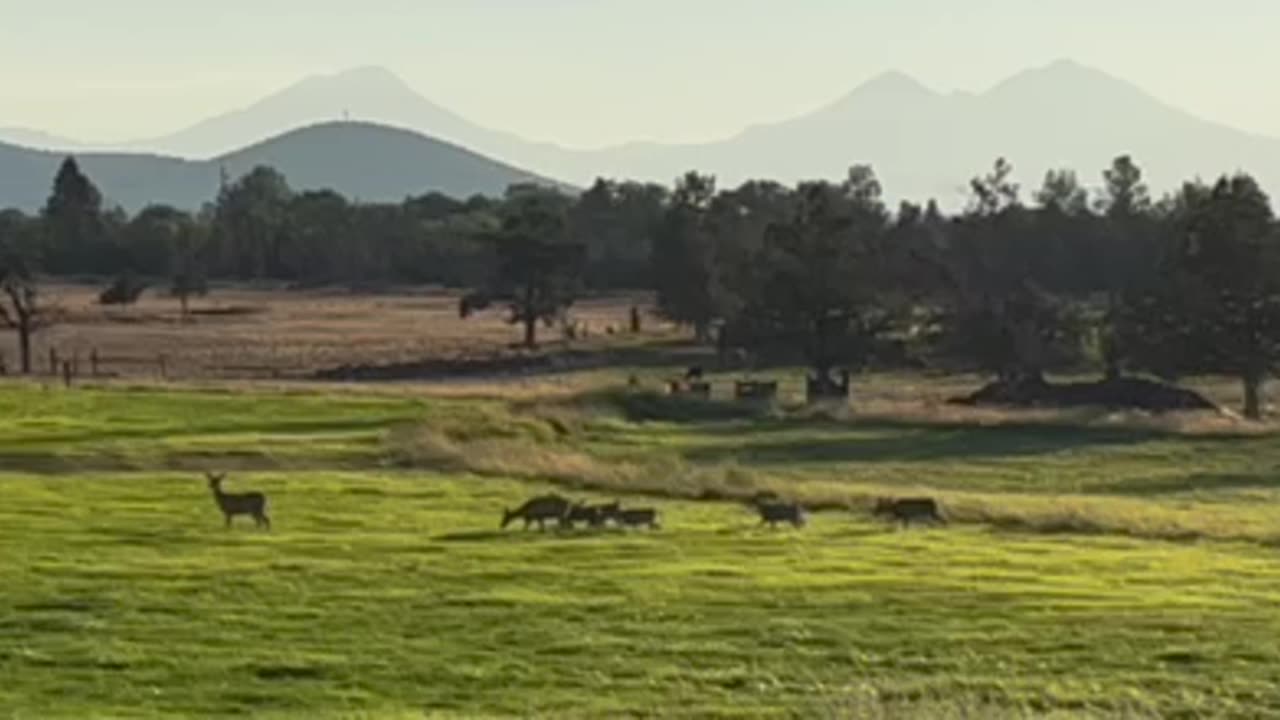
x=632 y=517
x=778 y=512
x=253 y=504
x=539 y=510
x=593 y=515
x=908 y=510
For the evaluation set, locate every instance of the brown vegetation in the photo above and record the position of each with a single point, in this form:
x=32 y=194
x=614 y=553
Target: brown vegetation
x=262 y=333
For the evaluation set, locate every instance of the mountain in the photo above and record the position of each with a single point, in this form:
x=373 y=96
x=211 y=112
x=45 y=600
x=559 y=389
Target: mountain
x=922 y=143
x=38 y=139
x=360 y=160
x=925 y=144
x=372 y=95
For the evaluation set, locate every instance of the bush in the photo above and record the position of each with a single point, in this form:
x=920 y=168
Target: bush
x=124 y=290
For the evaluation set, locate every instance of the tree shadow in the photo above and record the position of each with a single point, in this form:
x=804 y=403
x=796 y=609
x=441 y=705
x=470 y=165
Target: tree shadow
x=896 y=442
x=1190 y=483
x=229 y=426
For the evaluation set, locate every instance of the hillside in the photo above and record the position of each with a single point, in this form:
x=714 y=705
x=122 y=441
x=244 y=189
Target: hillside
x=369 y=162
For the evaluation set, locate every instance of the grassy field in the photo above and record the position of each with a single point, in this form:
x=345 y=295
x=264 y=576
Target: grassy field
x=1093 y=568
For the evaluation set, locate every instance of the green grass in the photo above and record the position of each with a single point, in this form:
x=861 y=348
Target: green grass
x=59 y=430
x=391 y=593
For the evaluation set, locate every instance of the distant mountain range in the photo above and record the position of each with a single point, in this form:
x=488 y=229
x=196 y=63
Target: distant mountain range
x=923 y=144
x=360 y=160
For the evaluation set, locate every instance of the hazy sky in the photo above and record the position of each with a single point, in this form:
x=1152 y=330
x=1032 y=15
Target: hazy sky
x=589 y=72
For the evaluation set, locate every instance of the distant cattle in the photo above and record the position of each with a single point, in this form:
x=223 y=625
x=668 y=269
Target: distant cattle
x=909 y=510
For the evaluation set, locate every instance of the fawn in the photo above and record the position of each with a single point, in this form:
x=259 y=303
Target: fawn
x=908 y=510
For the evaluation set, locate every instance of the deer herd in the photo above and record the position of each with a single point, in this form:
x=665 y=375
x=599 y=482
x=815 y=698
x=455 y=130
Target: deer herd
x=567 y=515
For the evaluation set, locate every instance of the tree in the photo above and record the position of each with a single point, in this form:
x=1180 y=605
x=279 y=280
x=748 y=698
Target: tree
x=150 y=239
x=21 y=307
x=994 y=192
x=73 y=222
x=684 y=258
x=125 y=290
x=189 y=264
x=997 y=287
x=616 y=223
x=1061 y=193
x=250 y=224
x=1122 y=255
x=1215 y=306
x=319 y=245
x=818 y=286
x=538 y=271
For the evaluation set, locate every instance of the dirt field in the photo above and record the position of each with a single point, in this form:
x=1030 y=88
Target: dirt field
x=240 y=333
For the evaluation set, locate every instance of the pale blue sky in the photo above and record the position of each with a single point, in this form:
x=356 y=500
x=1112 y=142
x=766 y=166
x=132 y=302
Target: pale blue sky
x=589 y=72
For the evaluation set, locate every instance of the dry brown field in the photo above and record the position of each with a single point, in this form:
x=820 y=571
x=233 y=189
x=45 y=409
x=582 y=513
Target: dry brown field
x=262 y=333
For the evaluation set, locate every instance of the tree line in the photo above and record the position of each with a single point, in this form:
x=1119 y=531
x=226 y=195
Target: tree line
x=1016 y=286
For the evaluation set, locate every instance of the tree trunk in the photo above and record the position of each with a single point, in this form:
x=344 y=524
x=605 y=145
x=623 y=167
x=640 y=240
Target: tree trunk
x=702 y=332
x=1253 y=396
x=1113 y=370
x=529 y=316
x=1110 y=345
x=530 y=331
x=24 y=347
x=1110 y=358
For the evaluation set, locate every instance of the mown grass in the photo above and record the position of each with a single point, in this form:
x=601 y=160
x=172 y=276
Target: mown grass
x=386 y=589
x=124 y=427
x=393 y=594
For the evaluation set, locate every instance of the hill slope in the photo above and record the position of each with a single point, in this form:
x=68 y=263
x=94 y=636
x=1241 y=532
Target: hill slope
x=370 y=162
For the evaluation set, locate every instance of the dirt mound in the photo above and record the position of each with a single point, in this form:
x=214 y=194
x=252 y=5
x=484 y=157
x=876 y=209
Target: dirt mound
x=1120 y=393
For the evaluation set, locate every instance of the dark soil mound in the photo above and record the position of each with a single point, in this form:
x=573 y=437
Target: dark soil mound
x=1120 y=393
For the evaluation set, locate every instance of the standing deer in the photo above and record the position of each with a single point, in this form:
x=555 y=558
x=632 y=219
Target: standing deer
x=253 y=504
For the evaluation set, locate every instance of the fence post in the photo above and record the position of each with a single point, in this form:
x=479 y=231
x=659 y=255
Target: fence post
x=53 y=361
x=164 y=370
x=66 y=373
x=93 y=361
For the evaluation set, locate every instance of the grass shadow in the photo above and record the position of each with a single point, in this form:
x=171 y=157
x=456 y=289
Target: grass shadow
x=476 y=536
x=1173 y=485
x=918 y=443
